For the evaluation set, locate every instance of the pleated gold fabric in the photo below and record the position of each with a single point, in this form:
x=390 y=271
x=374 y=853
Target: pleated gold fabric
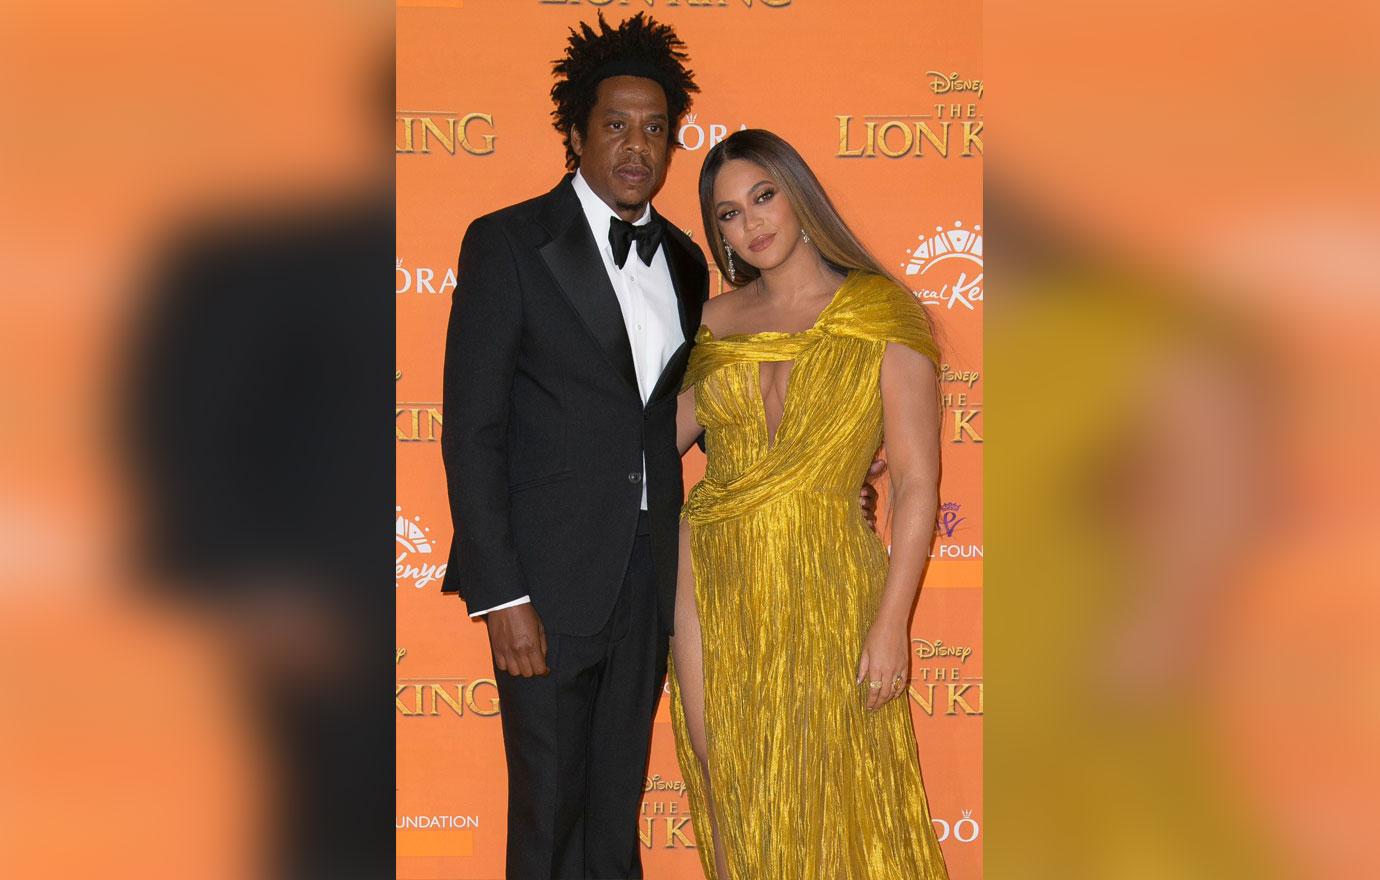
x=788 y=576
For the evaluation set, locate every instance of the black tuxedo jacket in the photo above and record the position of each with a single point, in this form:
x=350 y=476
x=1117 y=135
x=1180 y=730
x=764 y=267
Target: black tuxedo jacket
x=544 y=427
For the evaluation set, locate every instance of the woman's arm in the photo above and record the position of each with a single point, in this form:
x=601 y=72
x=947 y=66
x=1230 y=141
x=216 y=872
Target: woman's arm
x=688 y=428
x=910 y=420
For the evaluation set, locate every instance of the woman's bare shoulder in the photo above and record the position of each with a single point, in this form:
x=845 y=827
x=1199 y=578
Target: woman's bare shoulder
x=721 y=311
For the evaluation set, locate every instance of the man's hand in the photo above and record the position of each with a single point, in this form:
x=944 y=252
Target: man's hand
x=867 y=500
x=518 y=640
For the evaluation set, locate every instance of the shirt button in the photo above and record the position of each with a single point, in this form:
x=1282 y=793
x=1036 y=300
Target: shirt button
x=634 y=478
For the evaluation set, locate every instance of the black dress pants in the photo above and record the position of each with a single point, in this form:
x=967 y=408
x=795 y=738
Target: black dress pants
x=577 y=740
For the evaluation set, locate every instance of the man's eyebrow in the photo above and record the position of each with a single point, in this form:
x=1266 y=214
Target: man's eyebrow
x=611 y=111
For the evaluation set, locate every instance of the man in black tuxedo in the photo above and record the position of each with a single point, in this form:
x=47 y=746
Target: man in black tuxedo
x=573 y=317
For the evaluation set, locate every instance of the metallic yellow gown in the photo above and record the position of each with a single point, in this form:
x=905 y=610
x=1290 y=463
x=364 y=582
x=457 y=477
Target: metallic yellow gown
x=808 y=785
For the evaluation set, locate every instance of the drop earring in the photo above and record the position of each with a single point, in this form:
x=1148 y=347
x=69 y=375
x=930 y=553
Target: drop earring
x=804 y=235
x=731 y=271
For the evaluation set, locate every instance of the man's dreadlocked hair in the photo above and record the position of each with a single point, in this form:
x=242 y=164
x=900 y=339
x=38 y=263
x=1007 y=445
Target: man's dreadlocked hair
x=641 y=40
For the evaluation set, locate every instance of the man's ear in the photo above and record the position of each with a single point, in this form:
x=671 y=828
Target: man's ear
x=577 y=141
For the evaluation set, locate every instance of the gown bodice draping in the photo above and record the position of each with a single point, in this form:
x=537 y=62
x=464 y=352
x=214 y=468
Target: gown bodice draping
x=830 y=423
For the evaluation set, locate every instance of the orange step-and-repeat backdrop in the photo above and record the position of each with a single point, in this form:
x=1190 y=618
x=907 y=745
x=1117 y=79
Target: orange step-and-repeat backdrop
x=884 y=98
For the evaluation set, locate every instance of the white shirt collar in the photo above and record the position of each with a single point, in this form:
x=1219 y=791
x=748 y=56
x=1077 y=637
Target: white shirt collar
x=597 y=211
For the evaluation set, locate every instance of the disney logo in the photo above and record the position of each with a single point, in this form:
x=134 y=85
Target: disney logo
x=656 y=783
x=927 y=650
x=967 y=377
x=942 y=85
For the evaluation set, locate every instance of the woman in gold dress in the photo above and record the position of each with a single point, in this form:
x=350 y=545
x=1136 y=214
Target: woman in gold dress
x=791 y=653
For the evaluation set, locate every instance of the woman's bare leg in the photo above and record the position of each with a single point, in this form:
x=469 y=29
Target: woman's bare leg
x=688 y=650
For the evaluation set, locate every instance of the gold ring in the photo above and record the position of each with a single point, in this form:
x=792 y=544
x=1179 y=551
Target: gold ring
x=875 y=685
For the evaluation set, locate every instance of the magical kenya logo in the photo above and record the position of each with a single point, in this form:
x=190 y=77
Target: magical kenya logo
x=413 y=546
x=945 y=268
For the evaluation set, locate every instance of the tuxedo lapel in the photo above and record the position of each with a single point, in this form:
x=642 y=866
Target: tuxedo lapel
x=573 y=257
x=688 y=278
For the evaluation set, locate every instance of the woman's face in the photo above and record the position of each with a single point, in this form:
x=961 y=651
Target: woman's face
x=754 y=214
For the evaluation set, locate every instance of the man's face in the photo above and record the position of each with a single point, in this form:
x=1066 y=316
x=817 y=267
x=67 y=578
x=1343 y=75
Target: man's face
x=624 y=150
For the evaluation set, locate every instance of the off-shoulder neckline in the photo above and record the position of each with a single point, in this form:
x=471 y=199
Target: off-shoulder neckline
x=852 y=275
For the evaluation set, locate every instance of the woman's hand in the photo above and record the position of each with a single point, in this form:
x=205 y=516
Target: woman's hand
x=885 y=660
x=867 y=499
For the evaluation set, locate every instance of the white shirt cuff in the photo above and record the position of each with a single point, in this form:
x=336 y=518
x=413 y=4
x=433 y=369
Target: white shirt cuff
x=522 y=600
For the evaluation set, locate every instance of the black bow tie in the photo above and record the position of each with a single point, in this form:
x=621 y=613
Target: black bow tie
x=648 y=237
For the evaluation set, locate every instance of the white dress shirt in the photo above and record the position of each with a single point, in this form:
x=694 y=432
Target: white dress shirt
x=647 y=300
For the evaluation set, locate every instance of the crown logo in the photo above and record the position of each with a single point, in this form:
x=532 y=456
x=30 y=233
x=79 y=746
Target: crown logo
x=946 y=244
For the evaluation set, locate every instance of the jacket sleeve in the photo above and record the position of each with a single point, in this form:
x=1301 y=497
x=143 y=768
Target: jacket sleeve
x=482 y=343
